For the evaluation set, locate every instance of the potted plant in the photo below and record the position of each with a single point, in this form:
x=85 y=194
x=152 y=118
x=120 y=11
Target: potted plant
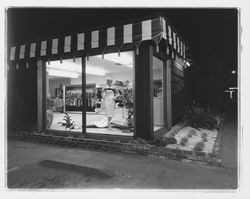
x=68 y=123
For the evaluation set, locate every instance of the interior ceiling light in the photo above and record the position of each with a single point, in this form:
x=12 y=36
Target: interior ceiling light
x=124 y=58
x=71 y=68
x=95 y=71
x=62 y=73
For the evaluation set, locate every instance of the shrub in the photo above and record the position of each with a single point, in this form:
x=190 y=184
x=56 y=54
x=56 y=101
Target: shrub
x=192 y=131
x=199 y=120
x=204 y=135
x=190 y=134
x=184 y=141
x=173 y=133
x=204 y=139
x=199 y=146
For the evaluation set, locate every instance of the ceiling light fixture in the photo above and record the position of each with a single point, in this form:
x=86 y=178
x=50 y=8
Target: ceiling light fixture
x=95 y=71
x=62 y=73
x=124 y=58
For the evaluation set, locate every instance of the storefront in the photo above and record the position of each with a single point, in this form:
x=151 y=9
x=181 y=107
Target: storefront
x=123 y=80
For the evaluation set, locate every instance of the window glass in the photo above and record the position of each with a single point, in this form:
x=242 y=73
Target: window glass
x=64 y=95
x=158 y=93
x=110 y=94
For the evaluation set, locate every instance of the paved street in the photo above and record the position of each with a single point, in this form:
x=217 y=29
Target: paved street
x=34 y=165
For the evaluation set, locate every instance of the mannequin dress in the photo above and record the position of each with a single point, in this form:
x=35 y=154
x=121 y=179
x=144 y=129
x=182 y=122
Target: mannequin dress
x=108 y=96
x=109 y=105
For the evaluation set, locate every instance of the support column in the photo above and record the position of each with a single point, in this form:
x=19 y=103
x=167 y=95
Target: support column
x=144 y=92
x=168 y=93
x=83 y=94
x=40 y=96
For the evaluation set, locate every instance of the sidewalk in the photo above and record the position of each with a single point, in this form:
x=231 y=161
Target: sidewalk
x=129 y=171
x=230 y=140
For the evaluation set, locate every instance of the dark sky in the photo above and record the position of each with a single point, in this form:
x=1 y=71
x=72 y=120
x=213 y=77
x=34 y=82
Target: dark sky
x=210 y=33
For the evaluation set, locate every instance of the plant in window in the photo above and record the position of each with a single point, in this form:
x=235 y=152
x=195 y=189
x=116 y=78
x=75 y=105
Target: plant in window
x=68 y=123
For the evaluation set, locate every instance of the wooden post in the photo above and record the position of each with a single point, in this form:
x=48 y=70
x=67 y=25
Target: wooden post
x=83 y=94
x=40 y=96
x=168 y=94
x=144 y=92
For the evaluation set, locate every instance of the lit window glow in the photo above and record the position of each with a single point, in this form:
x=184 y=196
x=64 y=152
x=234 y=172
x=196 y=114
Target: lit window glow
x=124 y=58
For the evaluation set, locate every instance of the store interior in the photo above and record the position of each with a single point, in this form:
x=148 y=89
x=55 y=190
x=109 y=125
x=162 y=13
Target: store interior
x=65 y=99
x=64 y=94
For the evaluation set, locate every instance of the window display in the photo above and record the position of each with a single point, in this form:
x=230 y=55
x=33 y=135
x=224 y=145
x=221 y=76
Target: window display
x=113 y=99
x=109 y=97
x=64 y=95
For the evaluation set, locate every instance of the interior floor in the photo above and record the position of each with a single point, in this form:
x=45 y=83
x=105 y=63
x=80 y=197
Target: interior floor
x=117 y=127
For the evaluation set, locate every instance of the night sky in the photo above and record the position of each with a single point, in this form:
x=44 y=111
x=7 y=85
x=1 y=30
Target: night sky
x=210 y=33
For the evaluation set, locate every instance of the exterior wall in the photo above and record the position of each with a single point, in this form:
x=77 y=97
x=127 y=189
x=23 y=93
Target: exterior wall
x=22 y=97
x=23 y=91
x=178 y=90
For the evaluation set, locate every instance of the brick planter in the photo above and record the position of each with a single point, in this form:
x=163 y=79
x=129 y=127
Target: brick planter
x=121 y=146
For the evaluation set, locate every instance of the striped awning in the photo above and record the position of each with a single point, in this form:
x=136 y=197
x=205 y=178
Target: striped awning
x=156 y=29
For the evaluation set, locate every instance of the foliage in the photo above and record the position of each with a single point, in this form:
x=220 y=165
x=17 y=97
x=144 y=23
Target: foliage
x=68 y=122
x=204 y=135
x=192 y=131
x=199 y=120
x=204 y=139
x=199 y=146
x=183 y=141
x=190 y=134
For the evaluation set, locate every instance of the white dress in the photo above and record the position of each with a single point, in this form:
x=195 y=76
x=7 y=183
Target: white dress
x=108 y=96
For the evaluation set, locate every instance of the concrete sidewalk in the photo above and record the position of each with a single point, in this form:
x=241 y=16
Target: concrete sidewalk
x=129 y=171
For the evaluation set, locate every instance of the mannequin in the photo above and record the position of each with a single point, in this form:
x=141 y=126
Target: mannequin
x=108 y=95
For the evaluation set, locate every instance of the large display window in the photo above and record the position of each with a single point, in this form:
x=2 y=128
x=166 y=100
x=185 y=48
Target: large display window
x=64 y=103
x=108 y=100
x=110 y=94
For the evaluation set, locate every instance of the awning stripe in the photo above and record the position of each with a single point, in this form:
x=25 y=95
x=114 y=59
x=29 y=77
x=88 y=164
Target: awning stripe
x=170 y=35
x=32 y=49
x=181 y=48
x=137 y=34
x=174 y=39
x=43 y=48
x=153 y=29
x=111 y=36
x=80 y=41
x=146 y=30
x=54 y=46
x=95 y=39
x=67 y=44
x=12 y=53
x=127 y=33
x=164 y=31
x=22 y=52
x=184 y=51
x=178 y=44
